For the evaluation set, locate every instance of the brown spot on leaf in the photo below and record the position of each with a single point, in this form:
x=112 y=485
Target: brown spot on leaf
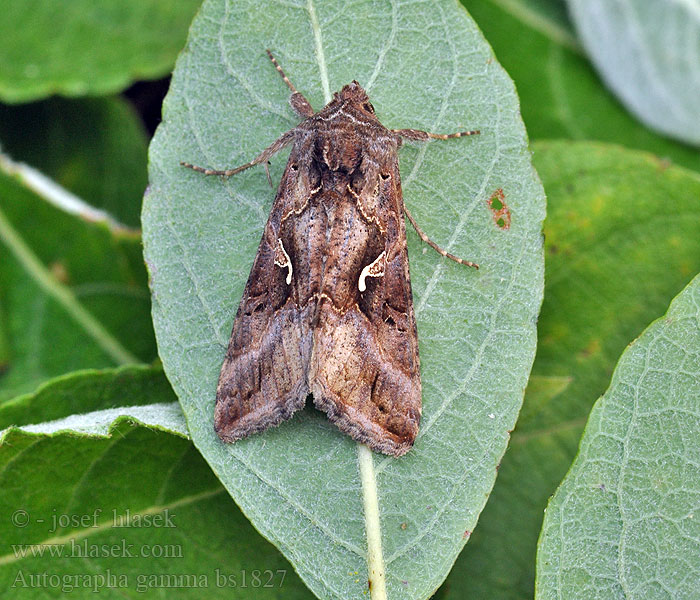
x=662 y=163
x=59 y=271
x=499 y=209
x=593 y=347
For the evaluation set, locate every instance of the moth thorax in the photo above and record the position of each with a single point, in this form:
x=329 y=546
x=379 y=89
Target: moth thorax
x=340 y=151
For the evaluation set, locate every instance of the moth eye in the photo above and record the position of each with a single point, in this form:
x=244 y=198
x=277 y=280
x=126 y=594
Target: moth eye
x=368 y=107
x=294 y=167
x=385 y=176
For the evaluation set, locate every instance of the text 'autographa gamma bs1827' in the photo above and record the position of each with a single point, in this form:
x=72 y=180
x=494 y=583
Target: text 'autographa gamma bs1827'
x=328 y=308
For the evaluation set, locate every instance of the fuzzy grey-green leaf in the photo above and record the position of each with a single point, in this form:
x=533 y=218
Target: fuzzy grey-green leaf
x=648 y=54
x=623 y=523
x=424 y=66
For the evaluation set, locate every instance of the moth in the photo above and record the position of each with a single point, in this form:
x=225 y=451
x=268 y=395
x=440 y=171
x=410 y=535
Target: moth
x=327 y=308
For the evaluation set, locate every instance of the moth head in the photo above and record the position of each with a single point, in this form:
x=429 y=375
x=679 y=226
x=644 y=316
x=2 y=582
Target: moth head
x=355 y=95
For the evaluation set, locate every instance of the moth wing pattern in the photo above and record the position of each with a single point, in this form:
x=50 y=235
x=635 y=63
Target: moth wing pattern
x=328 y=307
x=365 y=371
x=263 y=378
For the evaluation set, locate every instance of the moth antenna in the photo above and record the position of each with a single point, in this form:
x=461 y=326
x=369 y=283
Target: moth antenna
x=434 y=246
x=300 y=105
x=417 y=135
x=447 y=136
x=281 y=72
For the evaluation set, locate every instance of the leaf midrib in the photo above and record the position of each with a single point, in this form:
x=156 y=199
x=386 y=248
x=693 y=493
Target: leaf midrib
x=62 y=294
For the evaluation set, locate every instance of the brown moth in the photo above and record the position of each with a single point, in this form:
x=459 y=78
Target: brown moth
x=327 y=309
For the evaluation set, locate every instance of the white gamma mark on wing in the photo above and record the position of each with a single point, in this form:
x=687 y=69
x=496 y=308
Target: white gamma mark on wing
x=282 y=260
x=373 y=269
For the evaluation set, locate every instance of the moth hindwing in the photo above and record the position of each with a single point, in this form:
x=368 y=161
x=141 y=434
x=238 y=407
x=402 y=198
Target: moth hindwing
x=327 y=308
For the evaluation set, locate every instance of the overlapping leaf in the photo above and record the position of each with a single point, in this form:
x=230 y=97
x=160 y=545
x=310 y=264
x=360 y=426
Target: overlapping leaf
x=561 y=95
x=73 y=294
x=83 y=47
x=88 y=391
x=116 y=501
x=624 y=524
x=621 y=241
x=648 y=53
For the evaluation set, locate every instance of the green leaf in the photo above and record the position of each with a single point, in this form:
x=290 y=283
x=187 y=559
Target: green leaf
x=73 y=294
x=425 y=66
x=83 y=47
x=648 y=53
x=560 y=94
x=621 y=241
x=94 y=147
x=623 y=522
x=103 y=473
x=548 y=14
x=549 y=17
x=87 y=391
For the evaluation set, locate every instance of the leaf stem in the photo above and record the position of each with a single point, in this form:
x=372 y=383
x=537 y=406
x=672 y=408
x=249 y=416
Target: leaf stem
x=375 y=556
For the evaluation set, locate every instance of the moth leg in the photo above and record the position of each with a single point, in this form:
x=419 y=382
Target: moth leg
x=433 y=245
x=300 y=105
x=417 y=135
x=276 y=146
